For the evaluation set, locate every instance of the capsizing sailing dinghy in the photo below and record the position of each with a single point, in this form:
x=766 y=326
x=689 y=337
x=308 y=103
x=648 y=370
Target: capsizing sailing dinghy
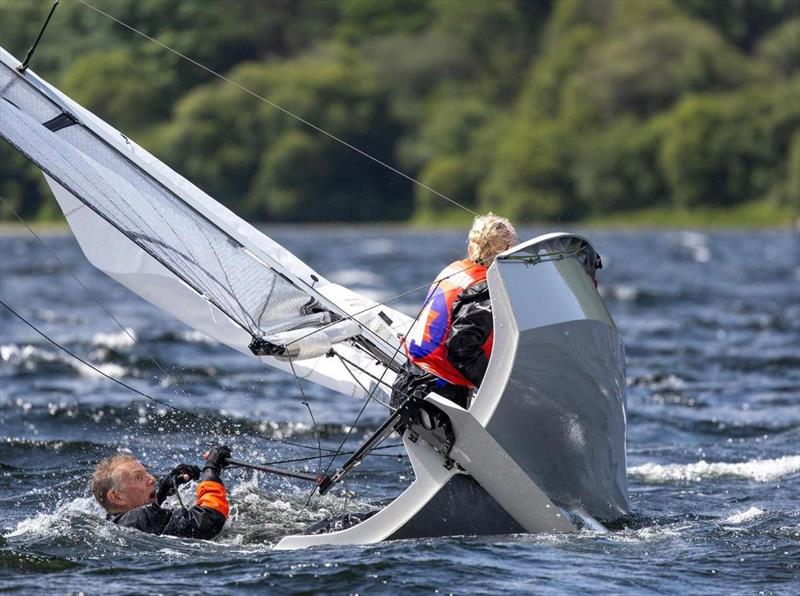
x=541 y=447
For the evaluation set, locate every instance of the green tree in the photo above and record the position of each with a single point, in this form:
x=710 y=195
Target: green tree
x=742 y=21
x=781 y=47
x=120 y=87
x=723 y=150
x=365 y=19
x=647 y=70
x=244 y=150
x=618 y=167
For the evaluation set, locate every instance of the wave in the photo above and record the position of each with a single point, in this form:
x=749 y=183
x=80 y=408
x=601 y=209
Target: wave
x=760 y=470
x=30 y=359
x=743 y=516
x=620 y=292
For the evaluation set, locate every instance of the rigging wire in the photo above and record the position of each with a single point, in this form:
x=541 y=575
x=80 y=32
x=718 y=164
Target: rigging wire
x=380 y=381
x=366 y=401
x=199 y=416
x=358 y=381
x=94 y=297
x=304 y=401
x=132 y=337
x=282 y=109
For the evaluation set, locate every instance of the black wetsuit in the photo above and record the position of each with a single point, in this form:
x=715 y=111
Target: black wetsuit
x=197 y=522
x=204 y=520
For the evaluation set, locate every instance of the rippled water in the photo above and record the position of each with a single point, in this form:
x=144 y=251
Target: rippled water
x=711 y=323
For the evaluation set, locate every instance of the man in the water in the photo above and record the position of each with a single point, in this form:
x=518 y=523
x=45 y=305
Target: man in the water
x=132 y=496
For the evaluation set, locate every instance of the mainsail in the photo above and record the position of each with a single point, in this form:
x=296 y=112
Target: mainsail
x=169 y=242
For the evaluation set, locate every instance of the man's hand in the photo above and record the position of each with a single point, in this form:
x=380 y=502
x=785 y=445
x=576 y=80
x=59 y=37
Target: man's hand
x=216 y=460
x=180 y=474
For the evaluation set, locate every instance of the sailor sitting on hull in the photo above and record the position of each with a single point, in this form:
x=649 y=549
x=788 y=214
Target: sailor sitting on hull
x=132 y=496
x=449 y=345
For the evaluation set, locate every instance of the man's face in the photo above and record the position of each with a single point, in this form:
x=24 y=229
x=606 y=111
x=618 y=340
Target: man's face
x=135 y=487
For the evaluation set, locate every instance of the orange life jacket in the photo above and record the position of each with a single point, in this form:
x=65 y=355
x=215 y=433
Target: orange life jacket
x=426 y=342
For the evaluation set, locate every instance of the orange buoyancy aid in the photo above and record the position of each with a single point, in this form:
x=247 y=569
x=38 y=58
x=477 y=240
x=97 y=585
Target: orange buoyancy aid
x=426 y=343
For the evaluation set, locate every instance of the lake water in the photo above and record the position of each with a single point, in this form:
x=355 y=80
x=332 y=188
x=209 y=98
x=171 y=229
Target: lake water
x=711 y=323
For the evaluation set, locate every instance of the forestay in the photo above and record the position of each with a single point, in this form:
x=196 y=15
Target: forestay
x=168 y=241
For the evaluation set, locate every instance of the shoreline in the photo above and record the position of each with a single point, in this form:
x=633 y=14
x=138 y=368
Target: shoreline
x=758 y=215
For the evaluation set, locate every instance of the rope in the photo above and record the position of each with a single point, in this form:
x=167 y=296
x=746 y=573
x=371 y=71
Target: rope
x=281 y=109
x=89 y=292
x=178 y=494
x=358 y=381
x=199 y=416
x=366 y=402
x=387 y=301
x=304 y=401
x=312 y=457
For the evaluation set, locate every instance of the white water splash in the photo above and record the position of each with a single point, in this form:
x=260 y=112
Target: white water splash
x=760 y=470
x=696 y=245
x=24 y=355
x=620 y=292
x=743 y=516
x=377 y=246
x=57 y=522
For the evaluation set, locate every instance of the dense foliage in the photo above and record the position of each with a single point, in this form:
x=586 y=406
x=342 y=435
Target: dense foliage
x=537 y=109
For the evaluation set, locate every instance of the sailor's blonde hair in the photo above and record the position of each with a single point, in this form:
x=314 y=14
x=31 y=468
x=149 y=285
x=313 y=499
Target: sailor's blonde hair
x=106 y=478
x=490 y=235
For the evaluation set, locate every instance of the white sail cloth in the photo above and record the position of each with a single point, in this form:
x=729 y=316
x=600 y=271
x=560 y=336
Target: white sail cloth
x=169 y=242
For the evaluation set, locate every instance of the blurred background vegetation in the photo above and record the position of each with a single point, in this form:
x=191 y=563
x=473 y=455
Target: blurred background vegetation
x=541 y=110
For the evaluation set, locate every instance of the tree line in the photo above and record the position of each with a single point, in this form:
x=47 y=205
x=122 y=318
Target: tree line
x=536 y=109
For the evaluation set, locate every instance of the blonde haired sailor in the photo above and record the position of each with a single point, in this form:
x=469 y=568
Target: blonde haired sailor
x=449 y=345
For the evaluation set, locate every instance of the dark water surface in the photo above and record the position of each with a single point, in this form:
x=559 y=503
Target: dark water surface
x=711 y=322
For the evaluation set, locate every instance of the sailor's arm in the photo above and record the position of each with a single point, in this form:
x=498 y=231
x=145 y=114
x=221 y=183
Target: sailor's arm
x=207 y=517
x=472 y=325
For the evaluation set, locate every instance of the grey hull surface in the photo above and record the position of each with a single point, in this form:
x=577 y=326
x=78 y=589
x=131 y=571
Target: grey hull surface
x=543 y=441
